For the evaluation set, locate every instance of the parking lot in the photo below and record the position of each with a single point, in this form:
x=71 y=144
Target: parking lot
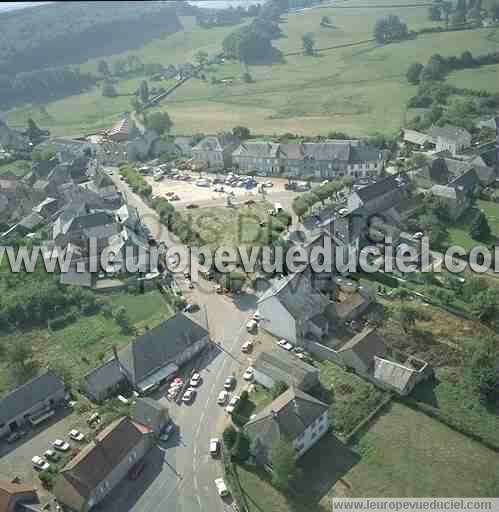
x=216 y=193
x=15 y=459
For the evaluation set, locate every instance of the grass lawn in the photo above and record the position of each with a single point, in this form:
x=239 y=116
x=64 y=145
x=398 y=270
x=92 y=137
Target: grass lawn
x=219 y=226
x=459 y=234
x=358 y=90
x=351 y=397
x=82 y=345
x=484 y=78
x=406 y=453
x=19 y=167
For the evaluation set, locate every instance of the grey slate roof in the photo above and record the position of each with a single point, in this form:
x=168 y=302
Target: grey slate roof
x=287 y=416
x=298 y=296
x=281 y=366
x=103 y=378
x=217 y=142
x=363 y=153
x=149 y=412
x=449 y=132
x=28 y=395
x=394 y=375
x=31 y=221
x=366 y=345
x=159 y=346
x=377 y=189
x=257 y=149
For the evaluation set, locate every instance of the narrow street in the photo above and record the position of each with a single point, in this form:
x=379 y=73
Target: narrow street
x=181 y=476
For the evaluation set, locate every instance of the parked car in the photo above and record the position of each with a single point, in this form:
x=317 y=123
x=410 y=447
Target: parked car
x=251 y=326
x=256 y=316
x=248 y=374
x=214 y=446
x=286 y=345
x=15 y=436
x=232 y=404
x=222 y=397
x=94 y=419
x=137 y=470
x=62 y=446
x=191 y=308
x=52 y=456
x=192 y=205
x=221 y=487
x=195 y=380
x=230 y=383
x=39 y=464
x=76 y=435
x=189 y=395
x=247 y=347
x=167 y=432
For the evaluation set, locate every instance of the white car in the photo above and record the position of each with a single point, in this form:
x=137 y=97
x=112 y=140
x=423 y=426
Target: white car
x=222 y=397
x=247 y=347
x=232 y=404
x=189 y=395
x=214 y=446
x=251 y=326
x=248 y=374
x=39 y=463
x=256 y=316
x=285 y=344
x=61 y=445
x=221 y=487
x=76 y=435
x=195 y=380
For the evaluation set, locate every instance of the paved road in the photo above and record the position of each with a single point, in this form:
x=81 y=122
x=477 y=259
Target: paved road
x=180 y=476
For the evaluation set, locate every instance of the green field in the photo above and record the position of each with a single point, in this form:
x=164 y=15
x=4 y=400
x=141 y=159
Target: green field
x=359 y=90
x=80 y=346
x=459 y=234
x=406 y=453
x=19 y=167
x=485 y=78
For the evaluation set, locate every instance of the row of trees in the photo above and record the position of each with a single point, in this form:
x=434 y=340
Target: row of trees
x=208 y=18
x=438 y=66
x=43 y=85
x=253 y=42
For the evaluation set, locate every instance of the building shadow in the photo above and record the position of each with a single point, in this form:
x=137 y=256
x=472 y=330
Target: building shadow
x=32 y=432
x=322 y=466
x=128 y=492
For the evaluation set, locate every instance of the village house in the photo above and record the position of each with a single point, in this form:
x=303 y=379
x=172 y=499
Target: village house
x=458 y=194
x=375 y=198
x=216 y=151
x=414 y=139
x=329 y=159
x=293 y=307
x=151 y=413
x=295 y=417
x=270 y=368
x=99 y=467
x=367 y=355
x=13 y=495
x=104 y=382
x=450 y=138
x=157 y=354
x=31 y=403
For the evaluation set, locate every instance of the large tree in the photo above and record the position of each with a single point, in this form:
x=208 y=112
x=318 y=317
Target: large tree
x=414 y=72
x=103 y=68
x=390 y=29
x=435 y=13
x=282 y=457
x=308 y=43
x=160 y=122
x=480 y=229
x=108 y=90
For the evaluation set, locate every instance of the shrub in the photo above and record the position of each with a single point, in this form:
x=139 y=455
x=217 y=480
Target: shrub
x=229 y=437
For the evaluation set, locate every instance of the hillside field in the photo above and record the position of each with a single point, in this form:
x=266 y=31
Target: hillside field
x=360 y=89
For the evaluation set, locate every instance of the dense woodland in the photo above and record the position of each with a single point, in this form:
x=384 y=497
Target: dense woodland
x=37 y=45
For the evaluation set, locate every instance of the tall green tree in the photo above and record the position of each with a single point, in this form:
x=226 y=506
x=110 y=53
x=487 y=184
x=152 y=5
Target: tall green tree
x=414 y=72
x=434 y=13
x=160 y=122
x=308 y=41
x=282 y=457
x=144 y=92
x=480 y=229
x=103 y=68
x=108 y=90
